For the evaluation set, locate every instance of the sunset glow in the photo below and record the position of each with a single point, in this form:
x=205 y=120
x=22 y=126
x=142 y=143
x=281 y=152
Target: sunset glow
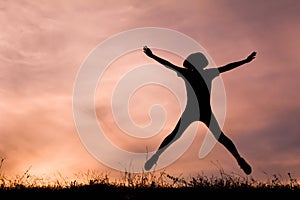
x=44 y=43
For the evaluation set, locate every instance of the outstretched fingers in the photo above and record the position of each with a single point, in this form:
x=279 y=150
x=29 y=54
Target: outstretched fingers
x=147 y=51
x=251 y=56
x=145 y=48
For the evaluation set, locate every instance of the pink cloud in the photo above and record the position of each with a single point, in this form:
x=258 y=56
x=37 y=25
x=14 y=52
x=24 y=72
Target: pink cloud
x=43 y=45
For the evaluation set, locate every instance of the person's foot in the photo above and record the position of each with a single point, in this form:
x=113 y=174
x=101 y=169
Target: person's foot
x=244 y=165
x=152 y=161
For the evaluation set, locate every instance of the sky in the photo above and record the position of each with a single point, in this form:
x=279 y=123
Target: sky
x=44 y=43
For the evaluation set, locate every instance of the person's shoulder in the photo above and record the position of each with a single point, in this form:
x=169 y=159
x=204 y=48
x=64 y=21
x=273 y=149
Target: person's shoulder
x=212 y=72
x=181 y=71
x=213 y=69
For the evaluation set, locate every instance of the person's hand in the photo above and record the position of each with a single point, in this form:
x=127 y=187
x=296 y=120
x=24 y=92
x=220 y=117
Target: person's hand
x=147 y=51
x=251 y=56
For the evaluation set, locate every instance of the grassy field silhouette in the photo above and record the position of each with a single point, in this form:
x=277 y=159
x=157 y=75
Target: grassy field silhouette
x=148 y=185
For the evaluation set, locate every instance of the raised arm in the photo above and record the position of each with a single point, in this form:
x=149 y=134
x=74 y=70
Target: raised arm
x=162 y=61
x=233 y=65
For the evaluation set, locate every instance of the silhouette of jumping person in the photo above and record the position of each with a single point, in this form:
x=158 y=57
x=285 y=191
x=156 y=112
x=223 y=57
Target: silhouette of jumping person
x=198 y=108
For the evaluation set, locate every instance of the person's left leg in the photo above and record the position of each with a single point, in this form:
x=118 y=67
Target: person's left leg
x=214 y=127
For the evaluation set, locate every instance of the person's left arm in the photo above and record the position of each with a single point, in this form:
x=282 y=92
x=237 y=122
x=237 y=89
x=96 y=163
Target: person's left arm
x=233 y=65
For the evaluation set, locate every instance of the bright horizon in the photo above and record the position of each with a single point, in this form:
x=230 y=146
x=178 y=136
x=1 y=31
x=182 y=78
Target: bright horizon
x=43 y=45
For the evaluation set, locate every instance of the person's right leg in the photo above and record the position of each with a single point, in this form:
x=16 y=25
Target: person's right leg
x=180 y=127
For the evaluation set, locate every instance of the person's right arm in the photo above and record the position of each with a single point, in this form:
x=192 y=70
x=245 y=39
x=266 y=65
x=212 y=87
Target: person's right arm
x=162 y=61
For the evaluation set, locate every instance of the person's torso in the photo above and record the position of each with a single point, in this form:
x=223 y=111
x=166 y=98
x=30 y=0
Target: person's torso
x=198 y=86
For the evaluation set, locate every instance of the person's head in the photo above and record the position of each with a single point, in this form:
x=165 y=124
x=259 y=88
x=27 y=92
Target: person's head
x=195 y=60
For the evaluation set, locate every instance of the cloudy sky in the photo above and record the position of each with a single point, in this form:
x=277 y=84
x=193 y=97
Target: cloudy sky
x=44 y=43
